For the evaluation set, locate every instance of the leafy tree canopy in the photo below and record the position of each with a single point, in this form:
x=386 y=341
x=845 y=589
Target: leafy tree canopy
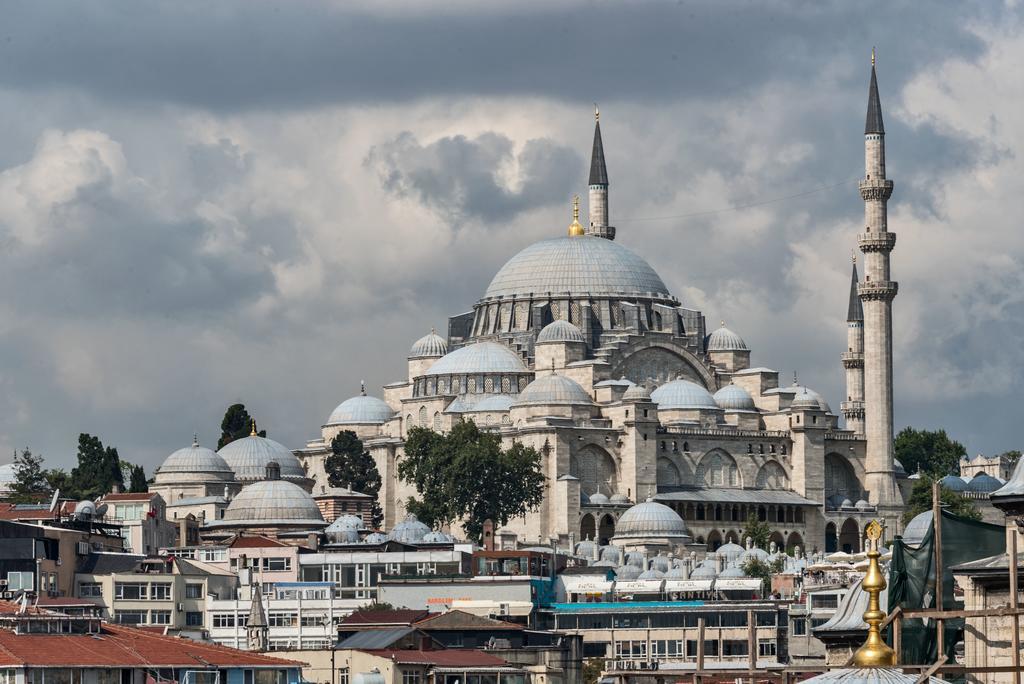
x=30 y=482
x=236 y=424
x=592 y=670
x=759 y=532
x=59 y=479
x=465 y=475
x=920 y=500
x=98 y=469
x=136 y=478
x=930 y=451
x=350 y=465
x=1013 y=455
x=763 y=570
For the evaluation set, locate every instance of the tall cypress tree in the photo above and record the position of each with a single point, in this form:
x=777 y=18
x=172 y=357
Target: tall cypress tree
x=98 y=469
x=236 y=424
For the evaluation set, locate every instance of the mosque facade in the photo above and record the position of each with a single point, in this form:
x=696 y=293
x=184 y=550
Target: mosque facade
x=578 y=349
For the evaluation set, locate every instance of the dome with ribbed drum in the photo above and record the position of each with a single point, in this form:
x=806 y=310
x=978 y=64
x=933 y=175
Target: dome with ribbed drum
x=481 y=357
x=954 y=483
x=984 y=483
x=804 y=401
x=560 y=331
x=636 y=393
x=272 y=502
x=409 y=531
x=724 y=339
x=248 y=458
x=734 y=398
x=683 y=394
x=650 y=519
x=196 y=460
x=584 y=265
x=554 y=389
x=361 y=410
x=429 y=346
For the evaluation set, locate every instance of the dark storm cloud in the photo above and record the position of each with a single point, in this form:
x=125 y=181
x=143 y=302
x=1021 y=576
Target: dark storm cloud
x=244 y=53
x=460 y=178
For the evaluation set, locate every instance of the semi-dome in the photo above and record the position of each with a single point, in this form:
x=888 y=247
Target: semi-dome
x=194 y=460
x=273 y=502
x=724 y=339
x=636 y=393
x=683 y=394
x=554 y=389
x=585 y=265
x=361 y=410
x=984 y=483
x=954 y=483
x=734 y=398
x=409 y=531
x=560 y=331
x=248 y=458
x=650 y=519
x=429 y=346
x=481 y=357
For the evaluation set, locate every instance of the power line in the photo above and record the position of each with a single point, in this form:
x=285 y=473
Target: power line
x=749 y=205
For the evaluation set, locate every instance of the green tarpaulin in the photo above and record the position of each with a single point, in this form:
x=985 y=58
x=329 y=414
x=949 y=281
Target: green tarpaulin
x=912 y=581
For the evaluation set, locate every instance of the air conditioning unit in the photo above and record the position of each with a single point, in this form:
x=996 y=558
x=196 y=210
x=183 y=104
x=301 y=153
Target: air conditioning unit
x=83 y=548
x=8 y=595
x=3 y=583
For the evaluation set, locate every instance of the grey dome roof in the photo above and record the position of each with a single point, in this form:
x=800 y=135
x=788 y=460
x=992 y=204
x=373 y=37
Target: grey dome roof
x=586 y=548
x=919 y=526
x=597 y=498
x=584 y=265
x=346 y=522
x=705 y=570
x=954 y=483
x=683 y=394
x=651 y=574
x=560 y=331
x=806 y=394
x=430 y=345
x=730 y=551
x=650 y=519
x=361 y=410
x=273 y=501
x=862 y=505
x=375 y=538
x=661 y=563
x=618 y=497
x=753 y=552
x=635 y=558
x=481 y=357
x=197 y=459
x=611 y=553
x=636 y=393
x=677 y=572
x=627 y=572
x=898 y=467
x=733 y=398
x=409 y=531
x=983 y=482
x=732 y=571
x=804 y=400
x=436 y=537
x=554 y=389
x=724 y=339
x=249 y=457
x=1015 y=485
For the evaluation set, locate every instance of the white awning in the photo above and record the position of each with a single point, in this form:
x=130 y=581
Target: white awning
x=639 y=587
x=688 y=585
x=737 y=583
x=488 y=608
x=586 y=584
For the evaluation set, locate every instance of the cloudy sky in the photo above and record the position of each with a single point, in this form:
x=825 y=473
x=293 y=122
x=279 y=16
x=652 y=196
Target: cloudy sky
x=203 y=203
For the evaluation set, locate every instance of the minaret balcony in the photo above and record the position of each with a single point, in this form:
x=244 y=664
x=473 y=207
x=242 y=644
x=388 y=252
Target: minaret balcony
x=875 y=189
x=852 y=409
x=852 y=359
x=876 y=242
x=878 y=291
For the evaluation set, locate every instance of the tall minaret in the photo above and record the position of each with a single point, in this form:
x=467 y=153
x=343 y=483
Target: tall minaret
x=876 y=294
x=853 y=360
x=599 y=186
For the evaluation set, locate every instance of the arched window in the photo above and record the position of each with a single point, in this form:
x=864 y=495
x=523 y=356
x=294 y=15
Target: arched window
x=596 y=470
x=437 y=421
x=717 y=469
x=668 y=473
x=772 y=476
x=686 y=447
x=423 y=416
x=471 y=386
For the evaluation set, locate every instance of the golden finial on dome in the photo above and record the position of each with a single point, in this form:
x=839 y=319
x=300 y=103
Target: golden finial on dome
x=575 y=229
x=874 y=652
x=253 y=433
x=872 y=55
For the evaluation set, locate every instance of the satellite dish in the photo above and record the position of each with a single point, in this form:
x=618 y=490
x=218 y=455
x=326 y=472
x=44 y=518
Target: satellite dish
x=85 y=510
x=53 y=501
x=100 y=510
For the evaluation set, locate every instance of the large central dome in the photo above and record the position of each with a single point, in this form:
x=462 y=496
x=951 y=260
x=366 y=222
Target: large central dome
x=581 y=265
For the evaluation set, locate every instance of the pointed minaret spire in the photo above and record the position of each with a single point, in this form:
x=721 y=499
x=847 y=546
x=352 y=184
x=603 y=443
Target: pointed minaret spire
x=852 y=407
x=599 y=186
x=873 y=124
x=855 y=312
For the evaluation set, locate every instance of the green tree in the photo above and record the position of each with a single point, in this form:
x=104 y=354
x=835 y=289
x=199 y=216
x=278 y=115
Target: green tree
x=58 y=479
x=350 y=465
x=1013 y=455
x=236 y=424
x=920 y=500
x=592 y=669
x=758 y=532
x=465 y=475
x=763 y=570
x=137 y=479
x=98 y=469
x=29 y=478
x=928 y=451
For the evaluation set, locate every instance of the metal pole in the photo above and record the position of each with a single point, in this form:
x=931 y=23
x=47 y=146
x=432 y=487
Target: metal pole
x=751 y=644
x=700 y=644
x=1014 y=602
x=940 y=624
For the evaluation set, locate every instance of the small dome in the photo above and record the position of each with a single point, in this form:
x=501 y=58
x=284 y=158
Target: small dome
x=429 y=346
x=627 y=572
x=661 y=563
x=954 y=483
x=196 y=459
x=611 y=553
x=916 y=530
x=436 y=537
x=636 y=559
x=846 y=503
x=804 y=401
x=705 y=570
x=753 y=553
x=862 y=505
x=984 y=483
x=586 y=548
x=677 y=572
x=409 y=531
x=733 y=398
x=343 y=537
x=650 y=519
x=619 y=498
x=598 y=499
x=560 y=331
x=730 y=551
x=482 y=357
x=733 y=571
x=375 y=538
x=361 y=410
x=651 y=575
x=554 y=389
x=249 y=457
x=683 y=394
x=273 y=501
x=636 y=393
x=799 y=392
x=724 y=339
x=346 y=522
x=898 y=468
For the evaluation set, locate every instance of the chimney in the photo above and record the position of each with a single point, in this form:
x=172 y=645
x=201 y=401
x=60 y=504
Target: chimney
x=312 y=541
x=115 y=488
x=488 y=535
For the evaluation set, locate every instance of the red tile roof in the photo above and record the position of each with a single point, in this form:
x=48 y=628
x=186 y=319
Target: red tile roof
x=253 y=542
x=459 y=620
x=9 y=512
x=64 y=601
x=449 y=657
x=128 y=496
x=363 y=618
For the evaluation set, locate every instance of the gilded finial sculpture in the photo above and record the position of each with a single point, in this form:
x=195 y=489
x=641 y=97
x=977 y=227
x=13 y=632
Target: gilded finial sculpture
x=362 y=388
x=575 y=229
x=253 y=433
x=872 y=55
x=874 y=652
